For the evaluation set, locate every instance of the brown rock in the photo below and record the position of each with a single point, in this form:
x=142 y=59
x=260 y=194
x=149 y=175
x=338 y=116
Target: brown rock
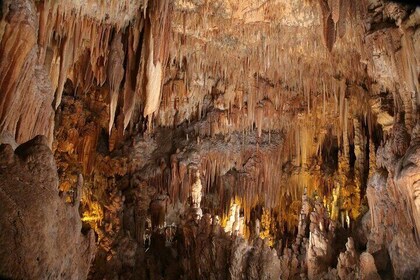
x=41 y=234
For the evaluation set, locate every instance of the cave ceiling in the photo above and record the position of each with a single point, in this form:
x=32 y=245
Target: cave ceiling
x=274 y=128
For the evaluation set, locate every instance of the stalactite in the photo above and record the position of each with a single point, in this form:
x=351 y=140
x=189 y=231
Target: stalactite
x=154 y=75
x=328 y=25
x=359 y=149
x=130 y=97
x=410 y=78
x=157 y=56
x=115 y=75
x=345 y=134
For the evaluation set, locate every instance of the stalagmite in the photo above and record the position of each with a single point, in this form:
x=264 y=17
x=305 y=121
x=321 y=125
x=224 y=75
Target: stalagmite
x=368 y=268
x=196 y=190
x=348 y=261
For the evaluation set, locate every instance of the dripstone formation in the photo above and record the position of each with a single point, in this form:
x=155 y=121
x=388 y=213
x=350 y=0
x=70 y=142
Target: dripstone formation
x=192 y=139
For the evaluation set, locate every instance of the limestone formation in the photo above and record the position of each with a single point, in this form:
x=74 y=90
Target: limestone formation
x=37 y=224
x=190 y=139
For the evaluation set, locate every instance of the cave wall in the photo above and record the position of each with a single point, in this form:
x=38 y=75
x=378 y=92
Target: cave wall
x=41 y=235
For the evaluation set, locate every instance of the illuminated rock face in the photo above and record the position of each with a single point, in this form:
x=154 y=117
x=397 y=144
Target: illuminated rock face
x=220 y=139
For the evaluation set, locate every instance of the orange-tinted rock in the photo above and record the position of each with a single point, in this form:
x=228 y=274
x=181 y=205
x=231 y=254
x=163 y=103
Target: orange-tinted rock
x=25 y=91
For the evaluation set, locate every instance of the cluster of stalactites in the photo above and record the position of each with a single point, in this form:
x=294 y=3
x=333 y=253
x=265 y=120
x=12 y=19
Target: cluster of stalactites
x=97 y=46
x=25 y=92
x=276 y=176
x=265 y=68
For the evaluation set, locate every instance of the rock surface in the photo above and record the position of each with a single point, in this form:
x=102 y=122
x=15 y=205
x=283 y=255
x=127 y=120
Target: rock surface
x=41 y=235
x=214 y=139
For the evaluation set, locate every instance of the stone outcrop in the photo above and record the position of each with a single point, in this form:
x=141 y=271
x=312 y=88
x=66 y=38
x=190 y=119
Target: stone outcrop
x=41 y=234
x=392 y=210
